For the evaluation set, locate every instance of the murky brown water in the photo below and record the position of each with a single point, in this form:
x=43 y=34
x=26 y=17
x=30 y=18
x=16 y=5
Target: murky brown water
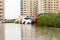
x=49 y=33
x=28 y=32
x=2 y=32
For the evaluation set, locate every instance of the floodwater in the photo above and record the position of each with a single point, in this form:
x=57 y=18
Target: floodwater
x=28 y=32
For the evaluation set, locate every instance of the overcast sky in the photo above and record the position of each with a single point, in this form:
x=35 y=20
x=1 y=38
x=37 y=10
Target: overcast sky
x=12 y=9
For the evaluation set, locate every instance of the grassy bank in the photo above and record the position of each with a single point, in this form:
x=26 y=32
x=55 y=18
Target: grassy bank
x=49 y=20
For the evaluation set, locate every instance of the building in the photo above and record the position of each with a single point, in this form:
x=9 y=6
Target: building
x=28 y=8
x=33 y=7
x=1 y=10
x=48 y=6
x=58 y=5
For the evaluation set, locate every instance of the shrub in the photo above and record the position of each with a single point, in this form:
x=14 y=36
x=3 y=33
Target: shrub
x=16 y=22
x=49 y=20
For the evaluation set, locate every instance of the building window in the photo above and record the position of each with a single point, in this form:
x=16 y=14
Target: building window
x=24 y=4
x=0 y=1
x=1 y=9
x=24 y=1
x=24 y=12
x=0 y=5
x=21 y=12
x=0 y=16
x=0 y=12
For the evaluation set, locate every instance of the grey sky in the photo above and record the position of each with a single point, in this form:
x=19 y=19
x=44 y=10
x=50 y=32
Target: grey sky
x=12 y=9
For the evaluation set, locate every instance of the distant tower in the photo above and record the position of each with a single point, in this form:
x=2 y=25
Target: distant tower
x=1 y=10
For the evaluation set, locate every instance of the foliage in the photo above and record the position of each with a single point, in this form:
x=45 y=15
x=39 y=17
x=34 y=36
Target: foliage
x=49 y=20
x=16 y=22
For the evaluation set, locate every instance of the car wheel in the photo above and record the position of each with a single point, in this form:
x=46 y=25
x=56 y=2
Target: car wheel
x=24 y=22
x=32 y=22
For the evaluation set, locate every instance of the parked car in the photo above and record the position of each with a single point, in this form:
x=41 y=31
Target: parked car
x=26 y=20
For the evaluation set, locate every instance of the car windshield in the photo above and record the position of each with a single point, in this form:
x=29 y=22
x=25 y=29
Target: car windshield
x=26 y=18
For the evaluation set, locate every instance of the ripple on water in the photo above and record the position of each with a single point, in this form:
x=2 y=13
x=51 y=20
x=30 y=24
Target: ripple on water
x=49 y=33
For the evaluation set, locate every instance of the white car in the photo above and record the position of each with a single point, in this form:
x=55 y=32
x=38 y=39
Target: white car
x=26 y=20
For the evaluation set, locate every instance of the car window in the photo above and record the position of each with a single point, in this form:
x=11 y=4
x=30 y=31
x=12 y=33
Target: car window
x=26 y=18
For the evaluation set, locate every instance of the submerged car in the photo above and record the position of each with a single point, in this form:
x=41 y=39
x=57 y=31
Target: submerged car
x=26 y=20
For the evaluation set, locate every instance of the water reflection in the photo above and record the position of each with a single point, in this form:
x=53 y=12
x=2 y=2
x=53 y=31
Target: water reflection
x=28 y=32
x=50 y=33
x=2 y=32
x=31 y=32
x=12 y=31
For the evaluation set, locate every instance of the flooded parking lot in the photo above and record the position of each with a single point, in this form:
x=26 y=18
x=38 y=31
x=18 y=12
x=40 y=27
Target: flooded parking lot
x=28 y=32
